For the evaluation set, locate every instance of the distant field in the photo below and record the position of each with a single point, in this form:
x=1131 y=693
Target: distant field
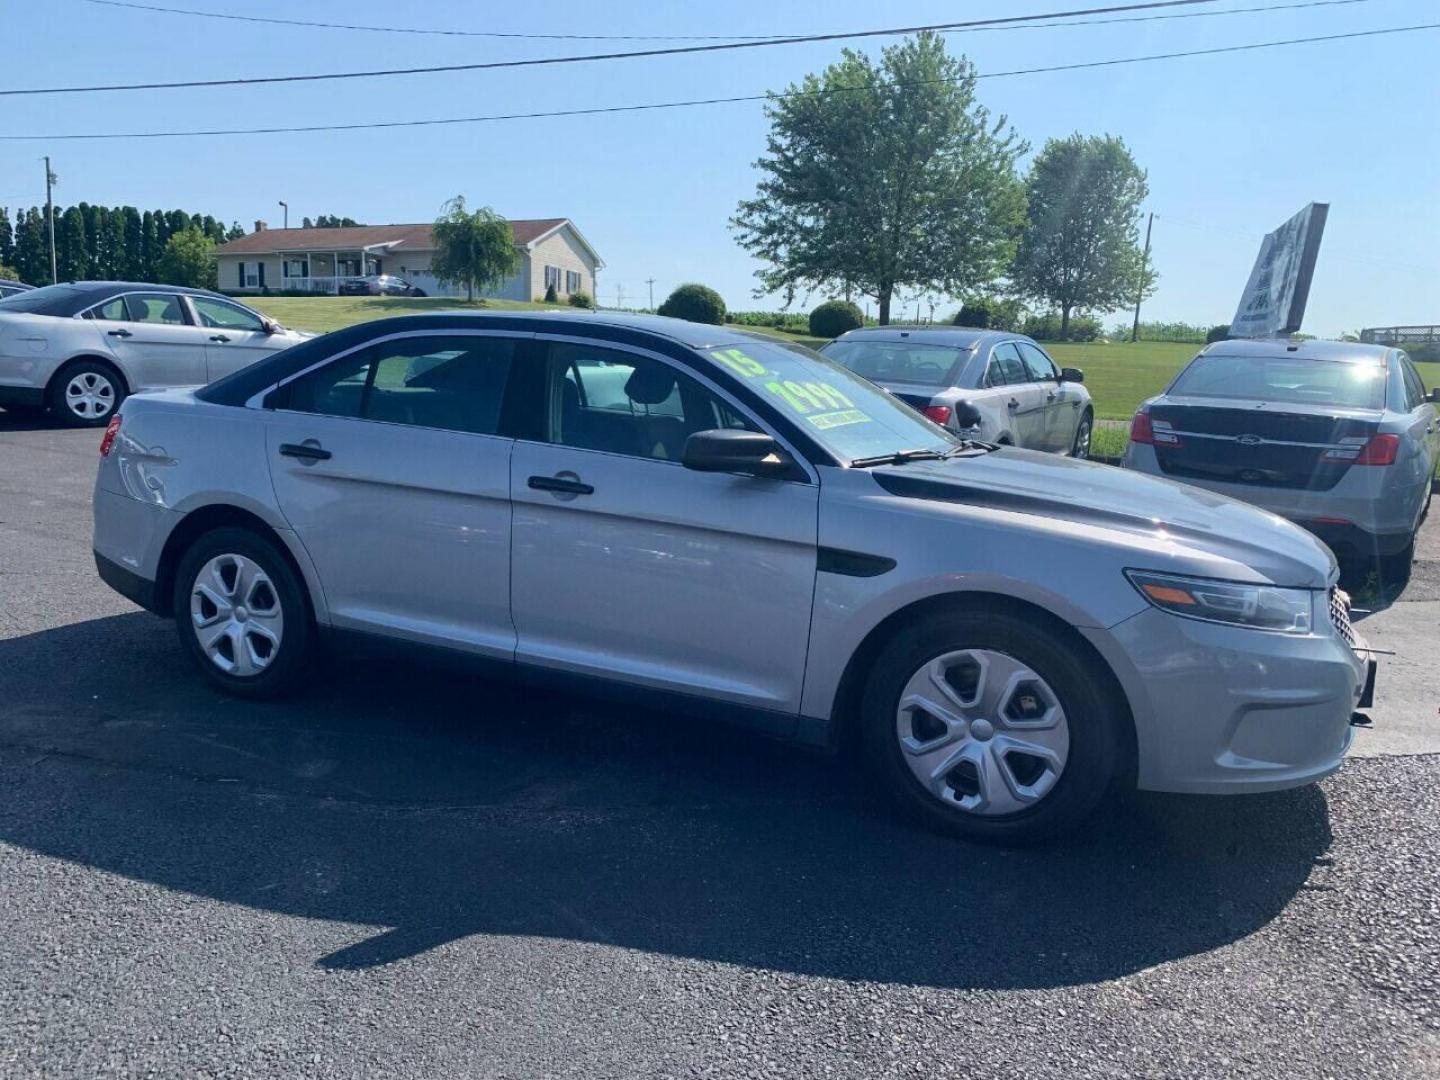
x=1120 y=376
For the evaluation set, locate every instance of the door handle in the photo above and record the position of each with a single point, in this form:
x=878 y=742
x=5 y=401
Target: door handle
x=561 y=485
x=120 y=333
x=309 y=450
x=1050 y=397
x=1014 y=404
x=218 y=337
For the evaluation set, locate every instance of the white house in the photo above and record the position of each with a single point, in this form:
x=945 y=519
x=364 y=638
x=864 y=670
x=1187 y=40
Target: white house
x=552 y=251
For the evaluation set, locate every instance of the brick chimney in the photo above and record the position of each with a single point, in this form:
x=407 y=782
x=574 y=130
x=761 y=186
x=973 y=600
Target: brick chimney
x=260 y=226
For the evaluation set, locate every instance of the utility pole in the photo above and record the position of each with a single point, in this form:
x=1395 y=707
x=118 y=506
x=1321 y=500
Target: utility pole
x=1140 y=285
x=619 y=295
x=50 y=179
x=651 y=282
x=286 y=207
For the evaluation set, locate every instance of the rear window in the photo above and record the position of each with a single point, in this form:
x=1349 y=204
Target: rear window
x=51 y=300
x=898 y=361
x=1290 y=380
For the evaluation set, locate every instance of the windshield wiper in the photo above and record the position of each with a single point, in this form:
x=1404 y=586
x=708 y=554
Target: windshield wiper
x=901 y=457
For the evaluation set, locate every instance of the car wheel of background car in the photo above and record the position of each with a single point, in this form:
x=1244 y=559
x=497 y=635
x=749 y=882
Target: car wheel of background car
x=989 y=726
x=1081 y=449
x=86 y=394
x=241 y=612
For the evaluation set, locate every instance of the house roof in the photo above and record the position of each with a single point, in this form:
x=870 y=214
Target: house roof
x=407 y=237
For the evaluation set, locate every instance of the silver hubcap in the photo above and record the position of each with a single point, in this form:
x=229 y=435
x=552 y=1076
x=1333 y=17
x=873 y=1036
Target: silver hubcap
x=981 y=731
x=1082 y=441
x=90 y=395
x=236 y=614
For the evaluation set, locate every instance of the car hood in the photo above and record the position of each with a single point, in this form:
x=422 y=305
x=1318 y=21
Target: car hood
x=1175 y=516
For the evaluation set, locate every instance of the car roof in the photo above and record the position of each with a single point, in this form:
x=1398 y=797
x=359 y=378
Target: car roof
x=72 y=297
x=695 y=335
x=960 y=337
x=1352 y=351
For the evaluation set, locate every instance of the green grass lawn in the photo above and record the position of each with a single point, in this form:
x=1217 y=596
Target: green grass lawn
x=325 y=313
x=783 y=335
x=1120 y=376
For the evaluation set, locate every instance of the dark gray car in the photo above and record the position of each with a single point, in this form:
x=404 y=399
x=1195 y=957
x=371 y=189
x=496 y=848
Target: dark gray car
x=1336 y=436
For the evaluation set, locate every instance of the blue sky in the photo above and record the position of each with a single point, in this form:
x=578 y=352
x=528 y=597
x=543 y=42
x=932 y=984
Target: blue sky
x=1233 y=144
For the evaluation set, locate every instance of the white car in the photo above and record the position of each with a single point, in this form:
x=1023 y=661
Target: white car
x=982 y=384
x=79 y=349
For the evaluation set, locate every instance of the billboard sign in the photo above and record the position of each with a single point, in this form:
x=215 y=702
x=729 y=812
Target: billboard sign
x=1273 y=303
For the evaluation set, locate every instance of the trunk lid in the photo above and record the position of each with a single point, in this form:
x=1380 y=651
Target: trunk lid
x=1259 y=443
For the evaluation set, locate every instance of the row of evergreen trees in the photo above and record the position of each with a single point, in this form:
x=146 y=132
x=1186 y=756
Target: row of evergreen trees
x=105 y=243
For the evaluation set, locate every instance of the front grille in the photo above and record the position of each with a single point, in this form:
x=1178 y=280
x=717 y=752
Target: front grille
x=1340 y=615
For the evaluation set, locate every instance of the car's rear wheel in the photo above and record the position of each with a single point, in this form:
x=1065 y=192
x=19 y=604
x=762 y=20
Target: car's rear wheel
x=86 y=394
x=1081 y=448
x=241 y=613
x=989 y=726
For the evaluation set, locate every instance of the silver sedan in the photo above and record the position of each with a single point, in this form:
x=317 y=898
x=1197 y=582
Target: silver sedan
x=983 y=384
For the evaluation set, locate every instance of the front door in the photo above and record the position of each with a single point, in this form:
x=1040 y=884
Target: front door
x=628 y=565
x=152 y=337
x=387 y=464
x=235 y=337
x=1019 y=396
x=1062 y=400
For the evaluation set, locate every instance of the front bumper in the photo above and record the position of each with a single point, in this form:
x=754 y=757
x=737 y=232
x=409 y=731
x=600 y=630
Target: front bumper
x=1221 y=709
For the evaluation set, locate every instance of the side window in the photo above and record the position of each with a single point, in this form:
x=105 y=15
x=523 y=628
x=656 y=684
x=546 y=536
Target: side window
x=110 y=311
x=1414 y=386
x=1039 y=366
x=621 y=403
x=453 y=383
x=1006 y=367
x=219 y=315
x=155 y=308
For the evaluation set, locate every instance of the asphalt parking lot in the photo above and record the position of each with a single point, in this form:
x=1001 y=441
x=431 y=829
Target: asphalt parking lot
x=406 y=872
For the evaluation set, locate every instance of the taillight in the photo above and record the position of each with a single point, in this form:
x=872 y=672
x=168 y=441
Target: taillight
x=111 y=430
x=1152 y=432
x=1380 y=450
x=939 y=413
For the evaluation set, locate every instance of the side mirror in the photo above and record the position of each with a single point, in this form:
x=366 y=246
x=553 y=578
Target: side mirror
x=272 y=327
x=967 y=415
x=1434 y=395
x=1072 y=374
x=750 y=452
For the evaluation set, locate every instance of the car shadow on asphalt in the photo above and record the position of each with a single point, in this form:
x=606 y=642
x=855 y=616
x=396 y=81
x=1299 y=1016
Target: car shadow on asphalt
x=415 y=807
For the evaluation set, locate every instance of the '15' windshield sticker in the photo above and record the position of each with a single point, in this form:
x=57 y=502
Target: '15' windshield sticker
x=821 y=404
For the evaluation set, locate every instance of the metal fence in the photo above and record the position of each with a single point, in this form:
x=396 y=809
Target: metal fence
x=1401 y=335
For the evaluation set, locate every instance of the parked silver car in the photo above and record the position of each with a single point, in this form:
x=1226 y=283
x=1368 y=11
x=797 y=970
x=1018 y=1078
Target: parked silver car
x=1338 y=437
x=78 y=349
x=725 y=523
x=983 y=384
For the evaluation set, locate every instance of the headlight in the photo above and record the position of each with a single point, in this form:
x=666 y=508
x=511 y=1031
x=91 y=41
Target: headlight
x=1260 y=607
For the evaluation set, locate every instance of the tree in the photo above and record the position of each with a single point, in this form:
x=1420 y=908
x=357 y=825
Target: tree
x=32 y=249
x=1081 y=248
x=151 y=245
x=8 y=273
x=7 y=237
x=235 y=231
x=475 y=249
x=189 y=259
x=331 y=221
x=884 y=177
x=132 y=266
x=72 y=253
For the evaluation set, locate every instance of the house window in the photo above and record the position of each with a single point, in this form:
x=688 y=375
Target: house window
x=572 y=281
x=297 y=268
x=552 y=278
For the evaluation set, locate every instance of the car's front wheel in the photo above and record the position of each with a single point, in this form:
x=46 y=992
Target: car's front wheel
x=990 y=726
x=241 y=612
x=1081 y=448
x=86 y=394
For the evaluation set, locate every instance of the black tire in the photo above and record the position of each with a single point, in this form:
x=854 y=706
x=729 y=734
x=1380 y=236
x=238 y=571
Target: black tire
x=1093 y=715
x=105 y=383
x=292 y=659
x=1083 y=431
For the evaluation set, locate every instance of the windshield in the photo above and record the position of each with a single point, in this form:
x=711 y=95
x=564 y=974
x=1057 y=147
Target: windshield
x=850 y=416
x=46 y=301
x=1292 y=380
x=899 y=361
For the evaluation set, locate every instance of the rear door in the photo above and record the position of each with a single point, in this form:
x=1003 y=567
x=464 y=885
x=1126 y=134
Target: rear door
x=1061 y=400
x=1017 y=396
x=1424 y=432
x=628 y=565
x=235 y=336
x=154 y=339
x=387 y=463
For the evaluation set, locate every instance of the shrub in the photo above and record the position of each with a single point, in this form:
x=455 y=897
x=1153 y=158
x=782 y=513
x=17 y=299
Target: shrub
x=1217 y=333
x=1422 y=351
x=1047 y=327
x=582 y=300
x=991 y=312
x=550 y=295
x=695 y=303
x=779 y=320
x=973 y=313
x=835 y=317
x=8 y=273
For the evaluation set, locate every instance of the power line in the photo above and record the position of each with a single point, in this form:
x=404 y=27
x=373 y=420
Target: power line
x=492 y=65
x=658 y=105
x=315 y=25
